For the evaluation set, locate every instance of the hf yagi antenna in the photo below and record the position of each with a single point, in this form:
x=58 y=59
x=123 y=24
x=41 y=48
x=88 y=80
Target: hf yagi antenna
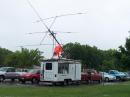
x=52 y=33
x=41 y=20
x=59 y=16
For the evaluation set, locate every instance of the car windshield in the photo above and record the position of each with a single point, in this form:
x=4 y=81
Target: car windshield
x=126 y=73
x=3 y=69
x=116 y=72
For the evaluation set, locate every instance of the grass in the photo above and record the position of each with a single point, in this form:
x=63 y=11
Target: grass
x=115 y=90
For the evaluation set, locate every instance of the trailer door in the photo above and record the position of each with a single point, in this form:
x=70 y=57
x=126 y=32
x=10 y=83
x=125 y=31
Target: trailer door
x=78 y=71
x=72 y=71
x=48 y=72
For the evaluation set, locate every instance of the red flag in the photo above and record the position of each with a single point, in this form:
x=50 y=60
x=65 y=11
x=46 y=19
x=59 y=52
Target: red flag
x=57 y=50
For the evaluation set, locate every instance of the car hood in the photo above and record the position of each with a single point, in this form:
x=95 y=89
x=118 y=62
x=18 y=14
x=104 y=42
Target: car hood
x=110 y=76
x=2 y=72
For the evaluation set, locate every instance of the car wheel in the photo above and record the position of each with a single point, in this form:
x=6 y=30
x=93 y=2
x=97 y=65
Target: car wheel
x=2 y=78
x=118 y=78
x=23 y=82
x=34 y=80
x=106 y=79
x=12 y=79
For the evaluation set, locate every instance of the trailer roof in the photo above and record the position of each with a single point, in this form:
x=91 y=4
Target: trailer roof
x=62 y=60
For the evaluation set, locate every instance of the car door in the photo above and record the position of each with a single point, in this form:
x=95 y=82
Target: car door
x=10 y=73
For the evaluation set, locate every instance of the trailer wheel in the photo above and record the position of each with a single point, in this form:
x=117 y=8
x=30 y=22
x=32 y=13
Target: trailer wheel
x=54 y=83
x=12 y=80
x=69 y=82
x=78 y=83
x=65 y=82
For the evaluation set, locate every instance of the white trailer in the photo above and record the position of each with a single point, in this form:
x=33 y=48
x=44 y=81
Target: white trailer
x=60 y=71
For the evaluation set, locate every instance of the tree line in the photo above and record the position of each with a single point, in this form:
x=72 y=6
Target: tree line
x=91 y=57
x=24 y=58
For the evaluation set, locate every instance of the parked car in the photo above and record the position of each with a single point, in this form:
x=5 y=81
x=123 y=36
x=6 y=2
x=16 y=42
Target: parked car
x=119 y=75
x=107 y=77
x=127 y=75
x=21 y=71
x=33 y=76
x=90 y=75
x=84 y=77
x=8 y=73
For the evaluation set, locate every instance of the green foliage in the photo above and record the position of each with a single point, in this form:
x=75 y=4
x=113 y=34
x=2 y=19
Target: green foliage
x=3 y=54
x=24 y=58
x=91 y=57
x=123 y=55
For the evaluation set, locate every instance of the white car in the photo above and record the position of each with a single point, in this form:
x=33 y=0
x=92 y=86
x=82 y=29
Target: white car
x=107 y=77
x=21 y=71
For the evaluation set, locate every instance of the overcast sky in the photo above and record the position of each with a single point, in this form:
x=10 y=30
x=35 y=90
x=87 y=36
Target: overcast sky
x=105 y=24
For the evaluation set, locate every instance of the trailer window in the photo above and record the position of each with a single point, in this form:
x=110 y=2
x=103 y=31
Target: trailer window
x=63 y=68
x=48 y=66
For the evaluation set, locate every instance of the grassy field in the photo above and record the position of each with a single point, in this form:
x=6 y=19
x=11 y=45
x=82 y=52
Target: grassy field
x=114 y=90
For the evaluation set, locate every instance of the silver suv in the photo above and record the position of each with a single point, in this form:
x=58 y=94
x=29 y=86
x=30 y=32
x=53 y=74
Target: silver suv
x=8 y=73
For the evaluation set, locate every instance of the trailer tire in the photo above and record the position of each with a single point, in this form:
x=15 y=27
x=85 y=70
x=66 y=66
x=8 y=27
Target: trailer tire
x=69 y=82
x=54 y=83
x=12 y=80
x=65 y=82
x=78 y=83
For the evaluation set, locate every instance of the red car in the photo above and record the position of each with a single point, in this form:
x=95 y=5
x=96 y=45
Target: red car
x=33 y=76
x=91 y=75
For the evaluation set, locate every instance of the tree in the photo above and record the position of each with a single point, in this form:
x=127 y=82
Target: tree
x=3 y=54
x=24 y=58
x=91 y=57
x=123 y=55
